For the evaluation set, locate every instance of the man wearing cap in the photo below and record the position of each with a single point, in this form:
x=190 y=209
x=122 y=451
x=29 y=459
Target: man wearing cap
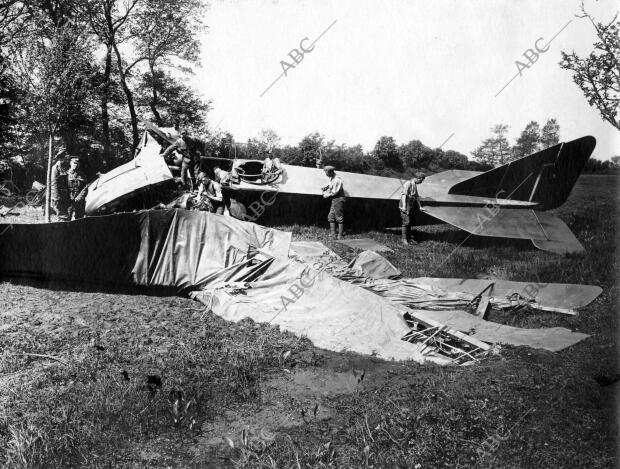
x=409 y=204
x=212 y=192
x=271 y=167
x=77 y=189
x=334 y=191
x=224 y=179
x=187 y=160
x=59 y=190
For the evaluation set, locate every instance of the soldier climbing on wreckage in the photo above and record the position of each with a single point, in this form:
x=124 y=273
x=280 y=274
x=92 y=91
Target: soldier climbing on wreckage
x=179 y=153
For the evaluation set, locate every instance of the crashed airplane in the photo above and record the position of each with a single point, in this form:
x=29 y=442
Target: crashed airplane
x=510 y=201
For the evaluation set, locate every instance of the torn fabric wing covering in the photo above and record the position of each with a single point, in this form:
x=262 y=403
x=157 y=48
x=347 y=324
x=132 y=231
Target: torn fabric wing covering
x=333 y=314
x=555 y=295
x=442 y=301
x=243 y=270
x=190 y=250
x=148 y=168
x=553 y=339
x=159 y=248
x=374 y=265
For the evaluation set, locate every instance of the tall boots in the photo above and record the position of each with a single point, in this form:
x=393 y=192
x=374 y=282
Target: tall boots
x=332 y=230
x=406 y=240
x=405 y=235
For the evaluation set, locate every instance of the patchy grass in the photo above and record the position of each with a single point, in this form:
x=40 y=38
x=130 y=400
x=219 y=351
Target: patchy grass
x=90 y=379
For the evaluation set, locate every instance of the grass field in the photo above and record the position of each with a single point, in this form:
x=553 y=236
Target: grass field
x=90 y=379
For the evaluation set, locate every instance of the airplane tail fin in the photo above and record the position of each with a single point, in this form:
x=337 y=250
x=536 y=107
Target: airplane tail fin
x=546 y=177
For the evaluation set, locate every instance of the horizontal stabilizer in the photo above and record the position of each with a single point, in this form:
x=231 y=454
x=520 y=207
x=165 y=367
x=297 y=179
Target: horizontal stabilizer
x=546 y=231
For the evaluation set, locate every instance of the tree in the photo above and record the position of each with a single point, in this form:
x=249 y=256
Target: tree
x=54 y=77
x=177 y=105
x=453 y=160
x=13 y=25
x=166 y=30
x=550 y=134
x=312 y=148
x=386 y=151
x=267 y=139
x=528 y=142
x=109 y=21
x=598 y=75
x=494 y=150
x=8 y=112
x=415 y=154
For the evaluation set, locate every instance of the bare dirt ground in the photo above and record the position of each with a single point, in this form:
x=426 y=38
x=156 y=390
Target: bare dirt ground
x=127 y=379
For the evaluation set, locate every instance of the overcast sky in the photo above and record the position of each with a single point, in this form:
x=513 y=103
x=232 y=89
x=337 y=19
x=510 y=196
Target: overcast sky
x=406 y=69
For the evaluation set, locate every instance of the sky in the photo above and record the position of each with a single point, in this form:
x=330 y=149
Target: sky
x=408 y=69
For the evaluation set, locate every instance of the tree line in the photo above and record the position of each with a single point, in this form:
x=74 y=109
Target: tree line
x=386 y=159
x=496 y=150
x=79 y=74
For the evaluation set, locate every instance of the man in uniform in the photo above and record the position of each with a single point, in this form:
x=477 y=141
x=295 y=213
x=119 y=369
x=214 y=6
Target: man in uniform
x=334 y=191
x=187 y=161
x=59 y=190
x=212 y=192
x=409 y=204
x=224 y=179
x=77 y=189
x=271 y=167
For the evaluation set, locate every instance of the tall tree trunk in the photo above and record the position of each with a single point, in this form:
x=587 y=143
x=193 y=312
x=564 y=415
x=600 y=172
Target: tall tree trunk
x=105 y=98
x=155 y=99
x=129 y=96
x=48 y=186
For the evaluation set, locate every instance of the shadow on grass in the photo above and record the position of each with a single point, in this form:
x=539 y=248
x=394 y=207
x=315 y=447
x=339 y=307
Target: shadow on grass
x=84 y=287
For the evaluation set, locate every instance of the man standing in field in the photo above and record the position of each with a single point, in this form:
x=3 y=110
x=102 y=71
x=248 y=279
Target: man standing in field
x=409 y=204
x=334 y=191
x=76 y=181
x=59 y=189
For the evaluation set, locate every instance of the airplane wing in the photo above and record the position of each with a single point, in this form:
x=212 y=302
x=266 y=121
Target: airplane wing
x=545 y=230
x=170 y=135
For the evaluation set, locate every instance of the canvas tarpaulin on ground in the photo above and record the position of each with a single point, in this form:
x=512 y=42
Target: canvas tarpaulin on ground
x=374 y=265
x=444 y=300
x=332 y=313
x=158 y=248
x=209 y=253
